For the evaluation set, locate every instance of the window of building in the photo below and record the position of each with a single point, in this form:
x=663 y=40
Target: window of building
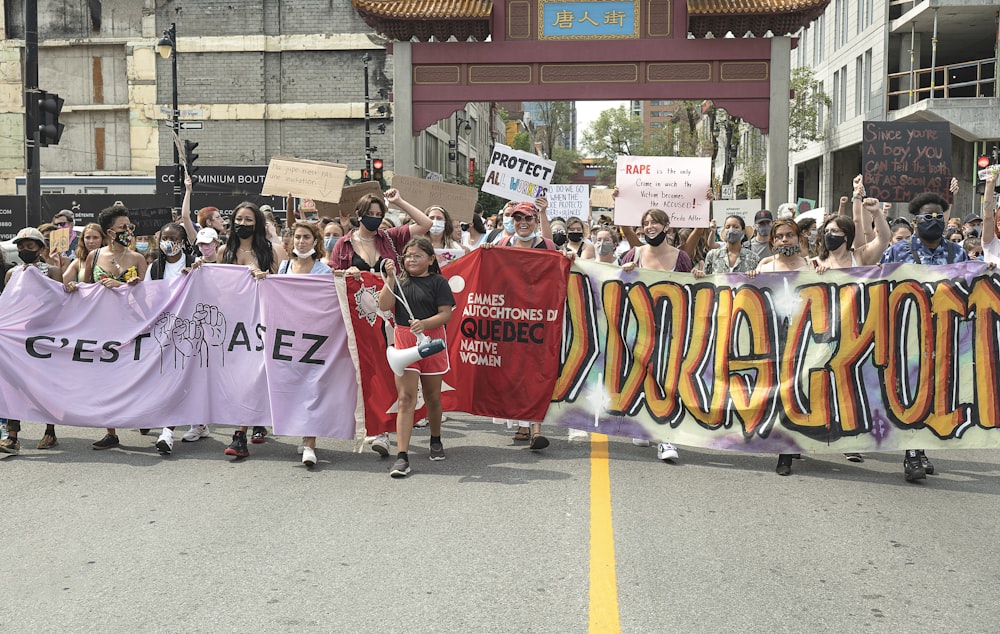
x=866 y=12
x=867 y=102
x=819 y=108
x=835 y=102
x=842 y=108
x=859 y=76
x=819 y=37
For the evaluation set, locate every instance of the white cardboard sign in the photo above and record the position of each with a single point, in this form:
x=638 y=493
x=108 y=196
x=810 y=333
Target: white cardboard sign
x=567 y=201
x=675 y=184
x=516 y=175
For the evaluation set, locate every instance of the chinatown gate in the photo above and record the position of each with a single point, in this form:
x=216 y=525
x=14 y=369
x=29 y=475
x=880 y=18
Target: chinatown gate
x=562 y=50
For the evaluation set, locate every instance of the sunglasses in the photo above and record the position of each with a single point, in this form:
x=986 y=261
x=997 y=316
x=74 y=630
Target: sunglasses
x=519 y=217
x=62 y=224
x=932 y=216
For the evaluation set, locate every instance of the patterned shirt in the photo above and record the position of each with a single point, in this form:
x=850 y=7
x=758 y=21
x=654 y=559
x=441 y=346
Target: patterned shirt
x=717 y=261
x=906 y=250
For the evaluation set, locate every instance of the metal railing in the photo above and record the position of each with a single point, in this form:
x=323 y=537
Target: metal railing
x=964 y=80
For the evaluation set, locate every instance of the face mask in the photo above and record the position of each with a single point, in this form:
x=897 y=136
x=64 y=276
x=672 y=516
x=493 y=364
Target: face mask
x=604 y=248
x=527 y=238
x=28 y=257
x=304 y=254
x=169 y=248
x=371 y=223
x=575 y=236
x=328 y=243
x=207 y=250
x=437 y=227
x=787 y=251
x=559 y=238
x=763 y=230
x=833 y=242
x=508 y=224
x=734 y=235
x=244 y=231
x=812 y=238
x=931 y=230
x=124 y=238
x=656 y=240
x=142 y=247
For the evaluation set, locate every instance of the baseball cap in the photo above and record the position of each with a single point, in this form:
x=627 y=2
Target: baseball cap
x=29 y=233
x=525 y=208
x=206 y=236
x=763 y=215
x=972 y=218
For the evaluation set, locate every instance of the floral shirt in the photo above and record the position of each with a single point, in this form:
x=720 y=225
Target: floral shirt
x=717 y=261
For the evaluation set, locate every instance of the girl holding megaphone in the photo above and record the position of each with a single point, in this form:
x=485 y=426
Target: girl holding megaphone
x=422 y=301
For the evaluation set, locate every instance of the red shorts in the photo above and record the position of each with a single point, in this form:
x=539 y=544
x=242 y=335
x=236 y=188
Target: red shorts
x=434 y=364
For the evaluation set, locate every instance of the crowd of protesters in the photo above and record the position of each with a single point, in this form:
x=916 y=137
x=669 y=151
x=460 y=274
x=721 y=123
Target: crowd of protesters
x=408 y=245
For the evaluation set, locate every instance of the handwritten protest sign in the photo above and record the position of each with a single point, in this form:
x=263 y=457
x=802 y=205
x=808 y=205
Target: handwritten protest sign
x=745 y=209
x=303 y=178
x=601 y=197
x=904 y=159
x=677 y=185
x=567 y=201
x=349 y=198
x=458 y=200
x=59 y=240
x=517 y=175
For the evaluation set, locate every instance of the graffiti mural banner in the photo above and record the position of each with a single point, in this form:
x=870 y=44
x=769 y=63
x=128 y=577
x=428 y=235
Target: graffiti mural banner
x=215 y=346
x=864 y=359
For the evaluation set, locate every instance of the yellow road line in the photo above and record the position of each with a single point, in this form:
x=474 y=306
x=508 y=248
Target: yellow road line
x=603 y=580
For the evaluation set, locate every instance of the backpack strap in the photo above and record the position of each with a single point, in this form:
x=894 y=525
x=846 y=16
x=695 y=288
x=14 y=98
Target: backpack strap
x=911 y=244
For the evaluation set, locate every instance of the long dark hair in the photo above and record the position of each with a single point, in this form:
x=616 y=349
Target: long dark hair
x=161 y=257
x=424 y=245
x=843 y=223
x=262 y=249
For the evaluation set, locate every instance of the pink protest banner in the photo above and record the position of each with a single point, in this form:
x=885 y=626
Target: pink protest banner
x=196 y=349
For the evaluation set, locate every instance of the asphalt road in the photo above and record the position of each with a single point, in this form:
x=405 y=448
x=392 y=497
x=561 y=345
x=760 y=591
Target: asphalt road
x=494 y=539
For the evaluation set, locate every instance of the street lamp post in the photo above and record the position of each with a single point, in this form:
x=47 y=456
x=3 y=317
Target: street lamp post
x=167 y=47
x=460 y=121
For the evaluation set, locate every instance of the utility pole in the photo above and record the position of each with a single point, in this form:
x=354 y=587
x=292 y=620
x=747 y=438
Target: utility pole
x=32 y=174
x=368 y=133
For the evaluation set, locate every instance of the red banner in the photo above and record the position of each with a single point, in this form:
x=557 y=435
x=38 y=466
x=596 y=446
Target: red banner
x=504 y=337
x=505 y=333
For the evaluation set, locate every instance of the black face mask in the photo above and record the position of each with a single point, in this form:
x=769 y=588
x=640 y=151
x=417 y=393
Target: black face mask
x=931 y=230
x=28 y=257
x=833 y=242
x=371 y=223
x=559 y=238
x=575 y=236
x=656 y=240
x=244 y=231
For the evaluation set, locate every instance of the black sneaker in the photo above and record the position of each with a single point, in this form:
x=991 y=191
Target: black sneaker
x=144 y=430
x=259 y=433
x=107 y=442
x=784 y=464
x=926 y=463
x=854 y=457
x=238 y=447
x=912 y=469
x=437 y=451
x=400 y=469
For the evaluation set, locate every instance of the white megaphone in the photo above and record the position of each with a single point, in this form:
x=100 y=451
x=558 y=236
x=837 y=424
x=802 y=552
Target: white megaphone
x=399 y=359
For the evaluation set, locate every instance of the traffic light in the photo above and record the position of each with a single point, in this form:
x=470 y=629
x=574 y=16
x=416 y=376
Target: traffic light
x=189 y=158
x=377 y=169
x=366 y=175
x=452 y=151
x=49 y=128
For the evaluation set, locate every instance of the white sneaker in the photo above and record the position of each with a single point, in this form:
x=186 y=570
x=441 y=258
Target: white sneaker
x=640 y=442
x=423 y=422
x=380 y=445
x=308 y=456
x=165 y=443
x=666 y=451
x=197 y=432
x=301 y=449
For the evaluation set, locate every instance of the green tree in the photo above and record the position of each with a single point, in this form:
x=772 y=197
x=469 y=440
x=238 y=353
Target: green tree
x=807 y=102
x=553 y=125
x=491 y=204
x=614 y=132
x=522 y=141
x=566 y=161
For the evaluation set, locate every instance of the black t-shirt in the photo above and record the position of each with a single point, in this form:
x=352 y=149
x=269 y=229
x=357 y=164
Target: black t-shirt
x=424 y=294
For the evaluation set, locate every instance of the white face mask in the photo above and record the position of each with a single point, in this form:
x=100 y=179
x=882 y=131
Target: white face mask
x=304 y=254
x=437 y=227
